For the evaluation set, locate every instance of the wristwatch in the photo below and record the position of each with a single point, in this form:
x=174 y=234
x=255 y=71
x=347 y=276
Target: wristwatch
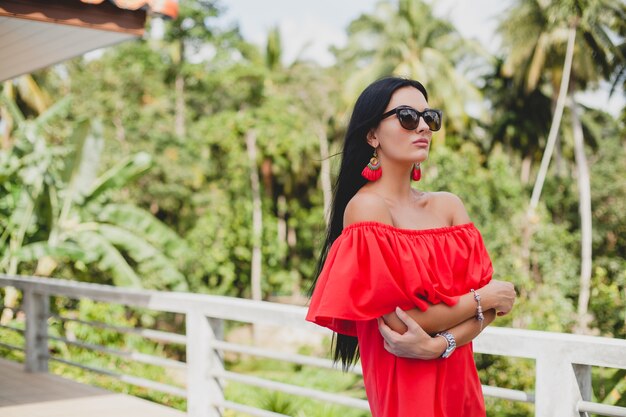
x=451 y=344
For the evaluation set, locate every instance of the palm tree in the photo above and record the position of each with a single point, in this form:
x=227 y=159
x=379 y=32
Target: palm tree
x=536 y=33
x=280 y=80
x=519 y=119
x=406 y=39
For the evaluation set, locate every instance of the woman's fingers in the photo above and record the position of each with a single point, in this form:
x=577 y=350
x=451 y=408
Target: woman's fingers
x=414 y=343
x=411 y=324
x=405 y=318
x=499 y=295
x=385 y=330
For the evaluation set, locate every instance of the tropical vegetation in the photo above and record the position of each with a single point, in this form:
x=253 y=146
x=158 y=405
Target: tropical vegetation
x=202 y=162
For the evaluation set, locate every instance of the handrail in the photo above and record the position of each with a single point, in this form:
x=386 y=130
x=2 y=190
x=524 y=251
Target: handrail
x=136 y=356
x=281 y=356
x=129 y=379
x=563 y=361
x=157 y=335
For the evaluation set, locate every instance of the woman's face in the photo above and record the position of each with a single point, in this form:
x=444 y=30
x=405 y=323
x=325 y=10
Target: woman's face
x=394 y=142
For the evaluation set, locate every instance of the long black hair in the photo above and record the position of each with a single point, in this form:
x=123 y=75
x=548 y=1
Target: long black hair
x=355 y=155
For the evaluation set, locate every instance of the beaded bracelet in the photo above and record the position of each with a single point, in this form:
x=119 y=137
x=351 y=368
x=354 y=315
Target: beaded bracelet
x=479 y=310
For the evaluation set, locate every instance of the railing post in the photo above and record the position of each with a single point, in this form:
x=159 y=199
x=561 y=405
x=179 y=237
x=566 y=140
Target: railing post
x=36 y=308
x=203 y=390
x=557 y=392
x=583 y=377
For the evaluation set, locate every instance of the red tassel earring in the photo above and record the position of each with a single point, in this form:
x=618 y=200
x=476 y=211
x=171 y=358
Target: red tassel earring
x=372 y=171
x=416 y=173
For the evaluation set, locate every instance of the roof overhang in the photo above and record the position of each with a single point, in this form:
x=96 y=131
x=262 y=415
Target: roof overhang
x=37 y=33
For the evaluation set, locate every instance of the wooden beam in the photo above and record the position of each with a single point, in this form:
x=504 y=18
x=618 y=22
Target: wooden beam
x=104 y=16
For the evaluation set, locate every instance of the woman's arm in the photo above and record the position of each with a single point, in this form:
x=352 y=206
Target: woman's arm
x=497 y=295
x=415 y=343
x=470 y=329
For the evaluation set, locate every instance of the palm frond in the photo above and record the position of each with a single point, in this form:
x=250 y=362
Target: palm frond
x=63 y=251
x=119 y=175
x=144 y=224
x=11 y=106
x=56 y=110
x=109 y=259
x=152 y=264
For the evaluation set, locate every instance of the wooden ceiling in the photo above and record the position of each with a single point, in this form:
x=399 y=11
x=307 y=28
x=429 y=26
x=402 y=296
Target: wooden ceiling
x=35 y=34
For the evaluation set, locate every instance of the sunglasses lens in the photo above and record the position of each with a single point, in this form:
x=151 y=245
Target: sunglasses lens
x=409 y=119
x=432 y=119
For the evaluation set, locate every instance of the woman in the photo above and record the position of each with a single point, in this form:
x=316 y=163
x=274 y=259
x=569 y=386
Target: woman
x=404 y=278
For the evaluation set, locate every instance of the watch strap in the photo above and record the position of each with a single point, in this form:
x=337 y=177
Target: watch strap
x=451 y=343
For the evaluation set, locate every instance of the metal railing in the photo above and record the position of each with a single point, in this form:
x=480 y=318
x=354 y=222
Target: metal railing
x=563 y=361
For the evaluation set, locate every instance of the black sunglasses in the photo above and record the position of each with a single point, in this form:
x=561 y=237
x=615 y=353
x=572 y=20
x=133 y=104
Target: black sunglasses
x=410 y=118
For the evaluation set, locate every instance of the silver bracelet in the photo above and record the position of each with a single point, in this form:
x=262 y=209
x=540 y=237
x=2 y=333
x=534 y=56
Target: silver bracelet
x=479 y=310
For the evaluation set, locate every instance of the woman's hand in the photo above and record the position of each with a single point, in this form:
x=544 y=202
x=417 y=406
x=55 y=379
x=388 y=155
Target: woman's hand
x=499 y=295
x=415 y=343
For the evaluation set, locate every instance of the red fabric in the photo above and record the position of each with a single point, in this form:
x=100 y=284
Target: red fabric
x=371 y=268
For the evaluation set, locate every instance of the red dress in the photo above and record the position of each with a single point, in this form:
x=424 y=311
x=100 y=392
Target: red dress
x=371 y=268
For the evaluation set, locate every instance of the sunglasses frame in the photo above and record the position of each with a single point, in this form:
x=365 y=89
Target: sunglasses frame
x=420 y=114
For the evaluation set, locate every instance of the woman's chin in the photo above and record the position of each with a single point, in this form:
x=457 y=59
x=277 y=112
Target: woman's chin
x=420 y=155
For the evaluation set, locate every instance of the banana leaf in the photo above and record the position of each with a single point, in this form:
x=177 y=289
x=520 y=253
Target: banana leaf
x=143 y=223
x=109 y=259
x=160 y=270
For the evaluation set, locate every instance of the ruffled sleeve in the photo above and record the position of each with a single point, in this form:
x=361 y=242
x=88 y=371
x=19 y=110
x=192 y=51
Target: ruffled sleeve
x=361 y=280
x=372 y=268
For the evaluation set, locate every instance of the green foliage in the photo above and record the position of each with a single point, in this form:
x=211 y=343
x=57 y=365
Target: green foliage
x=322 y=379
x=159 y=194
x=405 y=38
x=505 y=372
x=59 y=212
x=496 y=202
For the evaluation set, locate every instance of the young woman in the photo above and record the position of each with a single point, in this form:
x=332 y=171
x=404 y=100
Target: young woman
x=404 y=278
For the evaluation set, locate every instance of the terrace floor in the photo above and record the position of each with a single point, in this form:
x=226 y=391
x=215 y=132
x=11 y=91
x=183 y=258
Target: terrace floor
x=24 y=394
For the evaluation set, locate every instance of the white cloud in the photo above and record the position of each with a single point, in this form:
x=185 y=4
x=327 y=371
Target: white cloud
x=309 y=38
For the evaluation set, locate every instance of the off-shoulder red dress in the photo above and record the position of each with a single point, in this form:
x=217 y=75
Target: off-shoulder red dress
x=370 y=269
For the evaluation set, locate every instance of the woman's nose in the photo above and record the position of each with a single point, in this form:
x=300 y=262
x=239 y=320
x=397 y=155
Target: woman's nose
x=422 y=125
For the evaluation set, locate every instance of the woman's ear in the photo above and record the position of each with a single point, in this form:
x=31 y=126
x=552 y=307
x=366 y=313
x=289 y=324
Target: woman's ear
x=371 y=139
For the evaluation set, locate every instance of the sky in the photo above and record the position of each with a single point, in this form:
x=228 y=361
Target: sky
x=309 y=28
x=322 y=23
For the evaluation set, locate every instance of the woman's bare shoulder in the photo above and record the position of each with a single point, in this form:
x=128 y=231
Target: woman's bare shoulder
x=452 y=205
x=366 y=206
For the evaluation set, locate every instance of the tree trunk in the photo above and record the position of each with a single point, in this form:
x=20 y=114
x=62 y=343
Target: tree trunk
x=527 y=232
x=526 y=165
x=281 y=211
x=179 y=118
x=327 y=191
x=556 y=122
x=257 y=216
x=179 y=91
x=584 y=207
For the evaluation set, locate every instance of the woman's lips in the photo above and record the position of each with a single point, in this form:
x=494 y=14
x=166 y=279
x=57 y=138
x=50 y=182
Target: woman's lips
x=421 y=142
